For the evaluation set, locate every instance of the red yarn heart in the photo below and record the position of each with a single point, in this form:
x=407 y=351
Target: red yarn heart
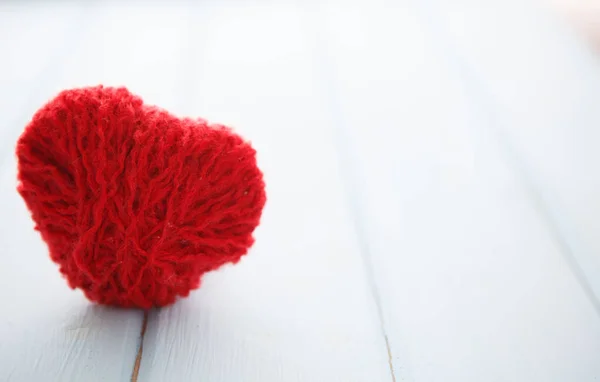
x=134 y=204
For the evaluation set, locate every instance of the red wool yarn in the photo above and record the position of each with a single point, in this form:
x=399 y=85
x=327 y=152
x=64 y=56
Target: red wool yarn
x=134 y=204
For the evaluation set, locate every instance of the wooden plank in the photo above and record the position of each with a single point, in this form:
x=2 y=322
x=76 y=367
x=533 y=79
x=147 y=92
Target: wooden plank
x=473 y=283
x=298 y=308
x=49 y=332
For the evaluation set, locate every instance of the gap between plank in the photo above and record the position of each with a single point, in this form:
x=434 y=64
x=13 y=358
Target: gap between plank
x=389 y=353
x=140 y=352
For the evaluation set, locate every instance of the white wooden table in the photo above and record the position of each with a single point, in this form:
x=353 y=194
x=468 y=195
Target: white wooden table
x=433 y=181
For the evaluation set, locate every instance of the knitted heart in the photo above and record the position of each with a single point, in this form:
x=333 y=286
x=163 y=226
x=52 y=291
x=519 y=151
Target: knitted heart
x=134 y=204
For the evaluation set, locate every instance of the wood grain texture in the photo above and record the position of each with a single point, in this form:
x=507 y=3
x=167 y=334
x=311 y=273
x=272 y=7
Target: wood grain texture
x=298 y=308
x=474 y=285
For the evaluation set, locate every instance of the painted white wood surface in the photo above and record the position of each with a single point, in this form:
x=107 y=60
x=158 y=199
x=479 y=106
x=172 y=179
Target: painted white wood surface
x=298 y=308
x=431 y=183
x=539 y=92
x=473 y=284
